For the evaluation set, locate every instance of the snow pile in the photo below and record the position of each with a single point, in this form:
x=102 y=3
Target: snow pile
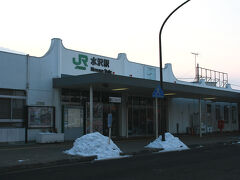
x=94 y=144
x=171 y=144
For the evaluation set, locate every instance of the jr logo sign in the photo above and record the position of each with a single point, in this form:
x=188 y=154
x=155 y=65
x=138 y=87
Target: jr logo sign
x=81 y=63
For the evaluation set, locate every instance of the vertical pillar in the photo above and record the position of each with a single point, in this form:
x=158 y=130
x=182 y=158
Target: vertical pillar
x=91 y=109
x=27 y=96
x=127 y=108
x=156 y=124
x=127 y=122
x=56 y=102
x=238 y=116
x=200 y=118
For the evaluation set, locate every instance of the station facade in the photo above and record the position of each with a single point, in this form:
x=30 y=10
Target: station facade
x=73 y=92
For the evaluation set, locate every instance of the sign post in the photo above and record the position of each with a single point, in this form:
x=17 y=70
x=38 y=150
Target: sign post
x=109 y=126
x=156 y=128
x=157 y=93
x=200 y=118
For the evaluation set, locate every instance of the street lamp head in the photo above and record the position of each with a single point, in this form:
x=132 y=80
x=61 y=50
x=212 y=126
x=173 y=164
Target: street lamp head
x=196 y=54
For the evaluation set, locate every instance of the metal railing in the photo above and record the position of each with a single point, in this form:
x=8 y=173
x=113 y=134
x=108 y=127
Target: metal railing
x=212 y=77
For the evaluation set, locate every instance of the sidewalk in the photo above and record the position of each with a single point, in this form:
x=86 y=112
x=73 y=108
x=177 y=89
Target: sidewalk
x=192 y=140
x=20 y=155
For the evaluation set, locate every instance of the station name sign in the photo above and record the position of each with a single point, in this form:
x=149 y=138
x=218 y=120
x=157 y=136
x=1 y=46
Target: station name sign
x=97 y=64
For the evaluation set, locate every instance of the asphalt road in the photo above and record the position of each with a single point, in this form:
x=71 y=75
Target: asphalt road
x=220 y=162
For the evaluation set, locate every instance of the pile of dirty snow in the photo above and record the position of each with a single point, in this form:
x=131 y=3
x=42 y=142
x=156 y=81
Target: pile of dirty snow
x=171 y=144
x=94 y=144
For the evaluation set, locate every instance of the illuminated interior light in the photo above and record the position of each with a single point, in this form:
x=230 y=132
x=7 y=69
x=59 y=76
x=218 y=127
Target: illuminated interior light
x=169 y=94
x=120 y=89
x=210 y=98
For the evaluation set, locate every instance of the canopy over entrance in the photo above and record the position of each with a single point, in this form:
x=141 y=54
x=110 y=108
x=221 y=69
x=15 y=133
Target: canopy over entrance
x=144 y=87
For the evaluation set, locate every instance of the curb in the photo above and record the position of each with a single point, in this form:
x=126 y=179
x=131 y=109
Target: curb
x=9 y=169
x=221 y=143
x=142 y=152
x=68 y=161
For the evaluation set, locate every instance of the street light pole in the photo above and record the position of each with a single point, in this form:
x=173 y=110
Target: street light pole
x=161 y=74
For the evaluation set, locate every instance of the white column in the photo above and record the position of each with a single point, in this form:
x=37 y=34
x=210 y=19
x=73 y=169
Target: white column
x=56 y=101
x=127 y=120
x=200 y=118
x=156 y=124
x=124 y=117
x=91 y=109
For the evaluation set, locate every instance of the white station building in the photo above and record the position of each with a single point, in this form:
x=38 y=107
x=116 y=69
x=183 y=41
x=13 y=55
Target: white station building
x=72 y=93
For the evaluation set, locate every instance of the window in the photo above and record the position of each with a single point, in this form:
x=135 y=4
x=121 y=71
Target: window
x=135 y=100
x=140 y=116
x=226 y=114
x=75 y=97
x=97 y=116
x=5 y=108
x=12 y=112
x=209 y=108
x=218 y=116
x=234 y=114
x=12 y=109
x=5 y=92
x=18 y=109
x=12 y=92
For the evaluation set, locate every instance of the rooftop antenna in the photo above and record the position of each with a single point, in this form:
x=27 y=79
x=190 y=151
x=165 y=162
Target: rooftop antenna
x=196 y=73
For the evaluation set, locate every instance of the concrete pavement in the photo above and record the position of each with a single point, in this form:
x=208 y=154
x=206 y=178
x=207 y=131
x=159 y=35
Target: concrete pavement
x=219 y=162
x=20 y=155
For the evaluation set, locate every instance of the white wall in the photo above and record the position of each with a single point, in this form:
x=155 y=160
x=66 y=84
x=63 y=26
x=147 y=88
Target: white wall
x=182 y=110
x=14 y=73
x=41 y=72
x=15 y=70
x=68 y=67
x=12 y=134
x=10 y=64
x=119 y=66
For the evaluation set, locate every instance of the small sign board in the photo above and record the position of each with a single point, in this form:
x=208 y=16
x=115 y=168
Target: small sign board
x=115 y=99
x=109 y=120
x=158 y=92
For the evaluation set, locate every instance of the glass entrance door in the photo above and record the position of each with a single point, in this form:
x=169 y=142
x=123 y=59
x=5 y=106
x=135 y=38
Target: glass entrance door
x=140 y=116
x=73 y=122
x=137 y=121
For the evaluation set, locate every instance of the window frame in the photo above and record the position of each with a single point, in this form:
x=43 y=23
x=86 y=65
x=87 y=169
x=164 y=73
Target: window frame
x=234 y=114
x=209 y=108
x=11 y=96
x=226 y=117
x=218 y=112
